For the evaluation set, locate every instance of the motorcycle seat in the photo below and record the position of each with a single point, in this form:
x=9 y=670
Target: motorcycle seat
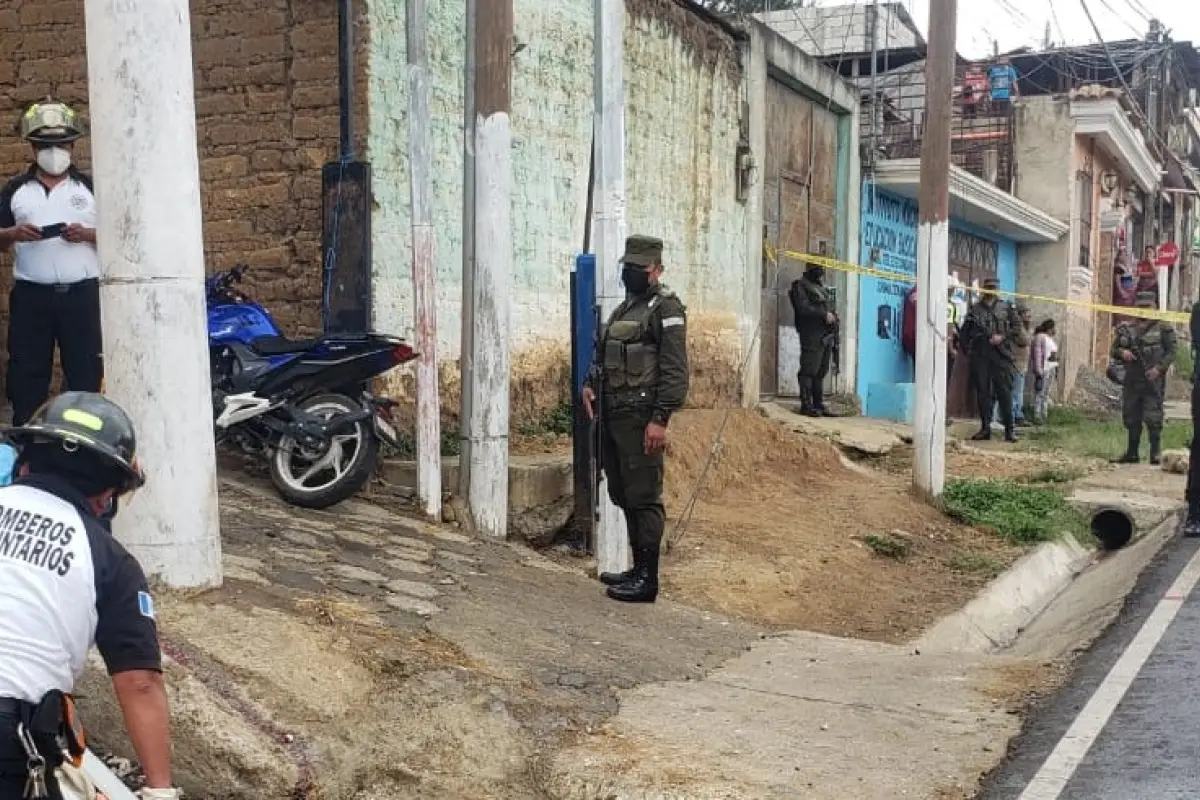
x=281 y=345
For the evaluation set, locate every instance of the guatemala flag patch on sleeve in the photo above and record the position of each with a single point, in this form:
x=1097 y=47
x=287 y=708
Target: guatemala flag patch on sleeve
x=146 y=604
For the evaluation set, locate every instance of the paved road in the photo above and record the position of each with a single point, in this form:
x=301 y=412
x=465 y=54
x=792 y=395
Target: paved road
x=1128 y=726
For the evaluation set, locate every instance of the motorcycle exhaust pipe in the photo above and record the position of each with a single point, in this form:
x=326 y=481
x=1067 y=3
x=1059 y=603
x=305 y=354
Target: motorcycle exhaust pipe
x=1113 y=528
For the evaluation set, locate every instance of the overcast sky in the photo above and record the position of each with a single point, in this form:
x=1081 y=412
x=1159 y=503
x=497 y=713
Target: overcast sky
x=1016 y=23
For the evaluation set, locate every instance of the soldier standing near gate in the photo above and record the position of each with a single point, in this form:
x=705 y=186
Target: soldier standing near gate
x=816 y=319
x=640 y=377
x=1147 y=348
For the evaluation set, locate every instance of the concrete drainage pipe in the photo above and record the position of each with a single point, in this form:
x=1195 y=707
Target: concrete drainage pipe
x=1112 y=527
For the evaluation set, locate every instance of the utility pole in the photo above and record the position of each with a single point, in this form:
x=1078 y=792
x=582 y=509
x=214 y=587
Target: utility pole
x=612 y=546
x=933 y=252
x=151 y=245
x=420 y=178
x=875 y=104
x=488 y=494
x=466 y=346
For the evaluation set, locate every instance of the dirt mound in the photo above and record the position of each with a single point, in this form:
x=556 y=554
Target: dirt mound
x=751 y=452
x=784 y=534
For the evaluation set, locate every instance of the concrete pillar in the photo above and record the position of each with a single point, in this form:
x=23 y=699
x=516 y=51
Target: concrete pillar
x=150 y=240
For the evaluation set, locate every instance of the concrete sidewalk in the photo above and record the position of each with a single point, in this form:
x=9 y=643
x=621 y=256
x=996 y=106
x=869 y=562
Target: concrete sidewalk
x=359 y=654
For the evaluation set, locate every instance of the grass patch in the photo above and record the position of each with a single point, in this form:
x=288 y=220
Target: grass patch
x=1052 y=475
x=451 y=445
x=888 y=546
x=1018 y=513
x=1184 y=366
x=975 y=564
x=1077 y=433
x=558 y=421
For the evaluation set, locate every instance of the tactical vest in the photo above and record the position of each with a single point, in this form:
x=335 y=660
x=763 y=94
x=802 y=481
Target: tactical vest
x=1146 y=344
x=630 y=353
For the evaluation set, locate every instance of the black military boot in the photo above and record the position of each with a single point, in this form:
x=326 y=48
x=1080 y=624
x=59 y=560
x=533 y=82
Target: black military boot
x=818 y=395
x=644 y=587
x=1191 y=527
x=1156 y=447
x=618 y=578
x=1131 y=451
x=806 y=398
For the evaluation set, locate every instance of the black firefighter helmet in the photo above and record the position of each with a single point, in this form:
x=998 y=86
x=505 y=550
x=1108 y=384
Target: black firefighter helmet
x=90 y=422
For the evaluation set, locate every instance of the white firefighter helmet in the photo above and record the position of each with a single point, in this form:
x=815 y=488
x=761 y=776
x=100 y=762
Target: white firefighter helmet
x=50 y=122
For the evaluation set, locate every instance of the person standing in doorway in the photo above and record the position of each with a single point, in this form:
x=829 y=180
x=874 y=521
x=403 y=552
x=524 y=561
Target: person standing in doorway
x=1147 y=272
x=816 y=318
x=987 y=335
x=48 y=218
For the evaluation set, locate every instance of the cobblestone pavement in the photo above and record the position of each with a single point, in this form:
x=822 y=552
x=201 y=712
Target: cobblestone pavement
x=398 y=568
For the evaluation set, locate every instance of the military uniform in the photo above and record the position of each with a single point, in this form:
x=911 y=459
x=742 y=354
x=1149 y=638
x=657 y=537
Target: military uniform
x=1153 y=346
x=642 y=379
x=993 y=370
x=812 y=303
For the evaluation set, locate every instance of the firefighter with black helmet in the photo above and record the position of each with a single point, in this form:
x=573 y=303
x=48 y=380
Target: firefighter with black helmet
x=48 y=219
x=65 y=582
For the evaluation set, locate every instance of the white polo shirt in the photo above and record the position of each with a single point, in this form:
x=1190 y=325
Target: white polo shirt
x=66 y=583
x=25 y=199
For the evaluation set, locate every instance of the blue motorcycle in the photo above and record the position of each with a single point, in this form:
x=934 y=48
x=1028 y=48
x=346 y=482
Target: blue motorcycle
x=292 y=400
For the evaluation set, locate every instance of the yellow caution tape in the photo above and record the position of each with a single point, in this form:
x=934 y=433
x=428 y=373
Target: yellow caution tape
x=772 y=255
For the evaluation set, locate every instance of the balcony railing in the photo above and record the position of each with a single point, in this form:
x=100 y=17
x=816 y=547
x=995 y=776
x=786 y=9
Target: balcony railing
x=981 y=132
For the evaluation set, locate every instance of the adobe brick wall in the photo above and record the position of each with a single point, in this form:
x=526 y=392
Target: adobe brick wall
x=267 y=111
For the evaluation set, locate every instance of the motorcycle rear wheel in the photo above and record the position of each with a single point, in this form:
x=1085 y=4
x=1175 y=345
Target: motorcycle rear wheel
x=344 y=466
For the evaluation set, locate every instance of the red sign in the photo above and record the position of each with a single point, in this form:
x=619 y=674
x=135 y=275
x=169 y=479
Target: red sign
x=1168 y=254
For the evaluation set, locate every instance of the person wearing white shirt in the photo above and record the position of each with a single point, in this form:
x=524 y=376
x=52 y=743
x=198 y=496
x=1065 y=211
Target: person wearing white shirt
x=1043 y=360
x=48 y=219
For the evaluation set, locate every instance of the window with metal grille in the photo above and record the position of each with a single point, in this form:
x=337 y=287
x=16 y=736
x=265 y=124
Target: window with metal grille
x=1084 y=186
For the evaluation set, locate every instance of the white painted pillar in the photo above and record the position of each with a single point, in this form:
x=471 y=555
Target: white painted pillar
x=420 y=176
x=487 y=498
x=929 y=415
x=152 y=251
x=608 y=226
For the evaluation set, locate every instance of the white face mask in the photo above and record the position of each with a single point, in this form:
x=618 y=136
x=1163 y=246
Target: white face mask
x=54 y=160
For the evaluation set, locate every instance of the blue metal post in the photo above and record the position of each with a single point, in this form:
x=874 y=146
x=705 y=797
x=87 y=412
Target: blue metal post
x=583 y=338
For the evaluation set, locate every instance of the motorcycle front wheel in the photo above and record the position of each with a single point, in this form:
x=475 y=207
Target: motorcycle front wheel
x=325 y=477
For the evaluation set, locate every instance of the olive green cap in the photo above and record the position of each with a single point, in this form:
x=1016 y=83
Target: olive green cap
x=642 y=251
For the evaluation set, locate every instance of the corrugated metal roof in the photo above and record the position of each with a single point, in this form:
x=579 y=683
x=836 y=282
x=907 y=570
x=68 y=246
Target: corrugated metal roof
x=824 y=31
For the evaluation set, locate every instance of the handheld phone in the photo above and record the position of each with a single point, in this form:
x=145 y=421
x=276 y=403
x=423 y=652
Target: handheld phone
x=55 y=230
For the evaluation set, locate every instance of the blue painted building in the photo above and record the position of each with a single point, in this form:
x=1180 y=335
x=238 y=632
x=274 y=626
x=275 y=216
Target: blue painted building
x=983 y=244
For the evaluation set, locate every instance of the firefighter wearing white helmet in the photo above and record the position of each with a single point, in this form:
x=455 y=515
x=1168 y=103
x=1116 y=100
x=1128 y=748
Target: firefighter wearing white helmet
x=66 y=583
x=48 y=219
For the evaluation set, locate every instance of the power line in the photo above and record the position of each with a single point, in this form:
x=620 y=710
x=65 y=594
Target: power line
x=1121 y=77
x=1113 y=11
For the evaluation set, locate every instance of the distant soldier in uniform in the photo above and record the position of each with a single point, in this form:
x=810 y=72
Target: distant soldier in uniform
x=988 y=335
x=816 y=319
x=640 y=376
x=1147 y=348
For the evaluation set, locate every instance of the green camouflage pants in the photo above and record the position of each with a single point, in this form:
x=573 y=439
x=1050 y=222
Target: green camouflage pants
x=1142 y=404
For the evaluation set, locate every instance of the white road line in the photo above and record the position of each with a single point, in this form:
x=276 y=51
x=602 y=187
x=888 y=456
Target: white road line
x=1061 y=764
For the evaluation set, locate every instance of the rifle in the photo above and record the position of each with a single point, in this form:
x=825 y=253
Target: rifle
x=595 y=379
x=833 y=337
